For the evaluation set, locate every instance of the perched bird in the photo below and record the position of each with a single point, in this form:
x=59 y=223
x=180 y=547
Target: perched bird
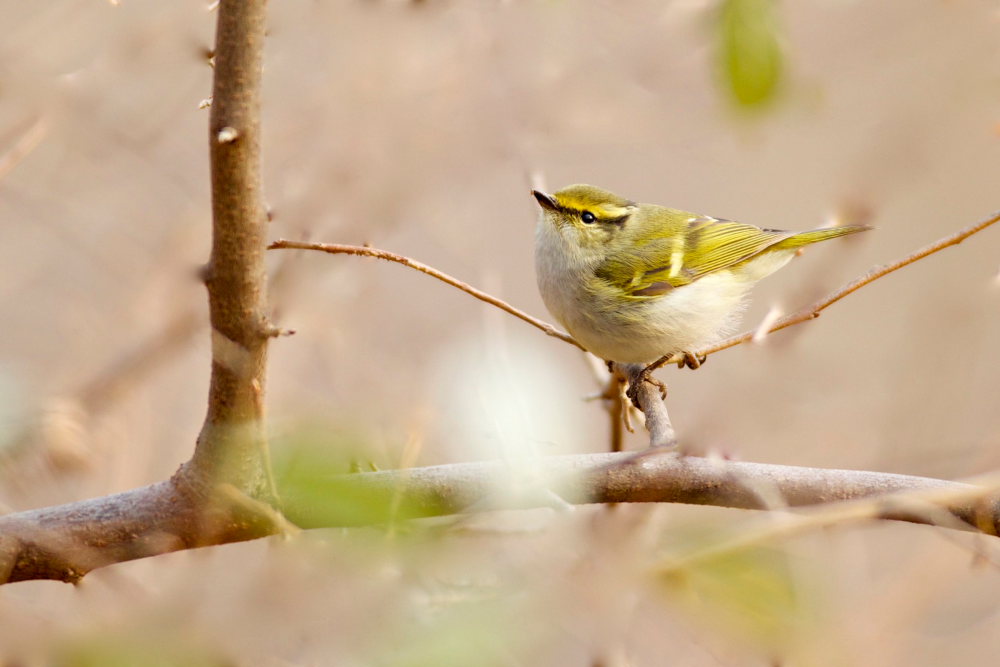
x=633 y=282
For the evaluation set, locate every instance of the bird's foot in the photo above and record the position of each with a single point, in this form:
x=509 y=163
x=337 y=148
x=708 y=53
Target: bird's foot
x=691 y=360
x=639 y=374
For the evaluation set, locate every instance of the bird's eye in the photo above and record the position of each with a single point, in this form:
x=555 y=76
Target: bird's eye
x=587 y=217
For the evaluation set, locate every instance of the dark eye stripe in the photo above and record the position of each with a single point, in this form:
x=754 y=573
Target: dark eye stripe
x=620 y=220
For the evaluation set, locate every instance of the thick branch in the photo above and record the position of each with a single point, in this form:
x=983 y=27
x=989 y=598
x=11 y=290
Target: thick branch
x=192 y=508
x=67 y=541
x=662 y=476
x=231 y=446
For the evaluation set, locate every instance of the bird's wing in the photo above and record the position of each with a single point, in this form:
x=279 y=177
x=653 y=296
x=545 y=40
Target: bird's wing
x=663 y=264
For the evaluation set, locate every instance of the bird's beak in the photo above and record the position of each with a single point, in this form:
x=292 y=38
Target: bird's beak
x=544 y=200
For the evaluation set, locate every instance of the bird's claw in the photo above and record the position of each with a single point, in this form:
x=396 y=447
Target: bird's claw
x=691 y=360
x=635 y=381
x=659 y=384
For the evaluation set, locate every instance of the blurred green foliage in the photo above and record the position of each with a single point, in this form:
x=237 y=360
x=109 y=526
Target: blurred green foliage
x=750 y=55
x=752 y=593
x=472 y=632
x=313 y=472
x=150 y=648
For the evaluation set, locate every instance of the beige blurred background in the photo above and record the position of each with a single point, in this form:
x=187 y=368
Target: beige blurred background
x=419 y=128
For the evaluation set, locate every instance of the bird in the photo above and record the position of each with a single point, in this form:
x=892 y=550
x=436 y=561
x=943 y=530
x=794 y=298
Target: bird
x=634 y=282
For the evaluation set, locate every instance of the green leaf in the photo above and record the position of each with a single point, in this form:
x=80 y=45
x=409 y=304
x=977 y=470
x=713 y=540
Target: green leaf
x=747 y=593
x=466 y=633
x=138 y=647
x=315 y=472
x=750 y=54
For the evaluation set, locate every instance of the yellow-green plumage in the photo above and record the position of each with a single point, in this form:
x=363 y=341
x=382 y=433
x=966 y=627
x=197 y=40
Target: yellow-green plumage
x=633 y=281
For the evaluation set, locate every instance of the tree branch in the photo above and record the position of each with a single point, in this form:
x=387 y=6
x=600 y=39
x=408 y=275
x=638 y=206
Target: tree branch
x=662 y=476
x=67 y=541
x=366 y=251
x=232 y=444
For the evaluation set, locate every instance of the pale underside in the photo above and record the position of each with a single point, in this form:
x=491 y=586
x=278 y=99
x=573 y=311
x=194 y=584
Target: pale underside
x=627 y=330
x=683 y=319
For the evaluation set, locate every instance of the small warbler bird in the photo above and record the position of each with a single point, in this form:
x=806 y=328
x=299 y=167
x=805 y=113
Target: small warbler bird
x=633 y=282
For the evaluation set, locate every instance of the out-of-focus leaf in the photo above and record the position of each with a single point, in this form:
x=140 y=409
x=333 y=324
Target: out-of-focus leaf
x=750 y=52
x=315 y=475
x=481 y=632
x=125 y=650
x=748 y=593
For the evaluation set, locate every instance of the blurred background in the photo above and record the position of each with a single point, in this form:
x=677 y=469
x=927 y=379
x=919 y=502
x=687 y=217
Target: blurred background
x=419 y=127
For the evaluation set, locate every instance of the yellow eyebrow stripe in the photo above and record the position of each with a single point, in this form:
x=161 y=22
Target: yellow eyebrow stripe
x=603 y=211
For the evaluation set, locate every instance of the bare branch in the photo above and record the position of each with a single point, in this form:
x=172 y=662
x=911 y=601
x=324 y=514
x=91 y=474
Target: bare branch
x=191 y=509
x=366 y=251
x=660 y=475
x=25 y=144
x=232 y=441
x=67 y=541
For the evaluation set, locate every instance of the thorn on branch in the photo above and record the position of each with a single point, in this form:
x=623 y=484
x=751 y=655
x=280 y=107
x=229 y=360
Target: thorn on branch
x=271 y=331
x=204 y=272
x=227 y=135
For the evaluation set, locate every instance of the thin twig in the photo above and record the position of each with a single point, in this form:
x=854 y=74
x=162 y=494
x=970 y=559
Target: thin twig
x=616 y=414
x=23 y=147
x=366 y=251
x=813 y=311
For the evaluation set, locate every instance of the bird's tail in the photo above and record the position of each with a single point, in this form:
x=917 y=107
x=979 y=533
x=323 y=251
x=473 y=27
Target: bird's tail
x=817 y=235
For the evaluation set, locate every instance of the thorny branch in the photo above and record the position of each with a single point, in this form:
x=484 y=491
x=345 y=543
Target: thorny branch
x=194 y=507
